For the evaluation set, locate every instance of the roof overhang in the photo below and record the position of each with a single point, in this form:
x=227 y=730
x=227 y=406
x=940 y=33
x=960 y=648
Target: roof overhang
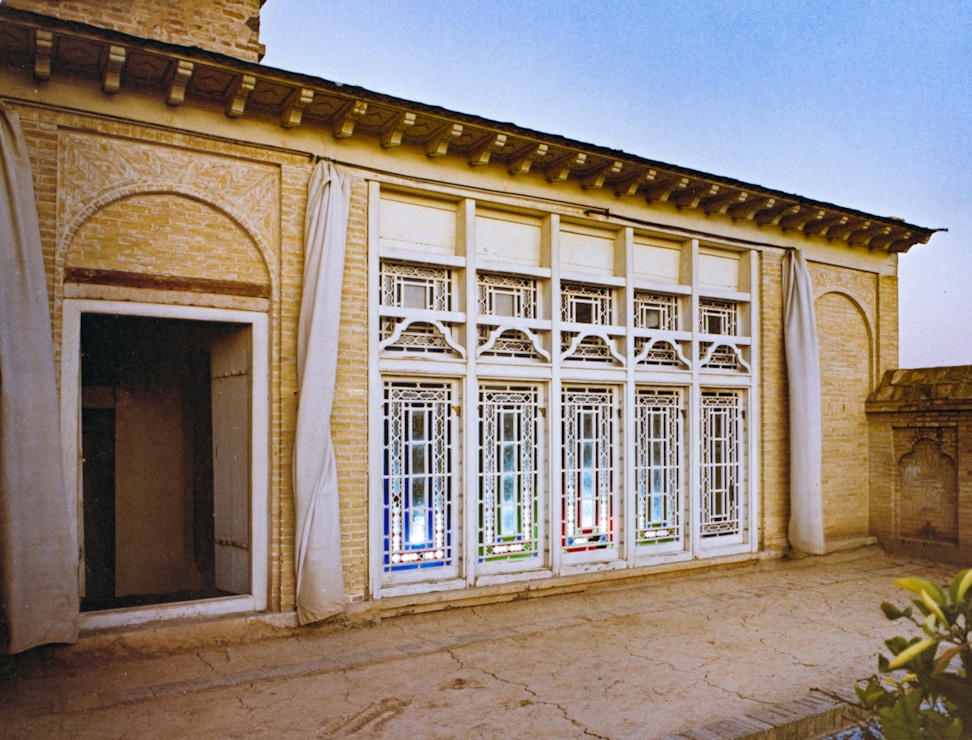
x=188 y=75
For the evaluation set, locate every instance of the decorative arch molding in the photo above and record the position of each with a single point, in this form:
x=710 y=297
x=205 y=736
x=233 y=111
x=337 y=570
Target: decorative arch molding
x=860 y=287
x=96 y=170
x=868 y=326
x=106 y=198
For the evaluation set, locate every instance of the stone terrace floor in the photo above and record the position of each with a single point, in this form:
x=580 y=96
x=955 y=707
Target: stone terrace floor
x=716 y=654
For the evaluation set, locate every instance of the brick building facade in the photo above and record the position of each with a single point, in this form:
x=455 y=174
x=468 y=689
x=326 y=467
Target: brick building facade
x=558 y=363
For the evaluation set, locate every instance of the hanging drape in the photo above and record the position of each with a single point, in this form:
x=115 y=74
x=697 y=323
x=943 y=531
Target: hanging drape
x=803 y=373
x=320 y=581
x=38 y=541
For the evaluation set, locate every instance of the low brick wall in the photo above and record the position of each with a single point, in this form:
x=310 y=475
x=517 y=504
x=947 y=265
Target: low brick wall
x=920 y=447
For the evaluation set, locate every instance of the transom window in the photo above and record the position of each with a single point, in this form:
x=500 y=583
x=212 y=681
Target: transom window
x=655 y=311
x=416 y=286
x=585 y=304
x=717 y=317
x=506 y=295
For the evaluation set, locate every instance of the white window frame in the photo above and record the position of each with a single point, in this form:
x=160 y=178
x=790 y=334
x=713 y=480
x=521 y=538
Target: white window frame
x=72 y=311
x=537 y=476
x=400 y=573
x=552 y=371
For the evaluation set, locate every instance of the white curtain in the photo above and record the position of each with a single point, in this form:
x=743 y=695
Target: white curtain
x=320 y=580
x=38 y=540
x=803 y=374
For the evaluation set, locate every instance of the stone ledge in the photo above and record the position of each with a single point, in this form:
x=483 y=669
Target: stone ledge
x=810 y=718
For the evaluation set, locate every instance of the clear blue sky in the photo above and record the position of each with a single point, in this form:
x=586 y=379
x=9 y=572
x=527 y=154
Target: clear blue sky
x=863 y=104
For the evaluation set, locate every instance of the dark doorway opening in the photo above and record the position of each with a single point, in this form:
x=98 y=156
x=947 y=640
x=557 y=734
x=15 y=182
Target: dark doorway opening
x=165 y=460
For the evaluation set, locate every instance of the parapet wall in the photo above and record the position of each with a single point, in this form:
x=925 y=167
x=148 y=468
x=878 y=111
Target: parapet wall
x=230 y=27
x=920 y=446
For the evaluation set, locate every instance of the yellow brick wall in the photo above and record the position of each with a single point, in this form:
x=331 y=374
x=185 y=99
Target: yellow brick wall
x=164 y=234
x=845 y=368
x=349 y=419
x=124 y=234
x=774 y=412
x=214 y=25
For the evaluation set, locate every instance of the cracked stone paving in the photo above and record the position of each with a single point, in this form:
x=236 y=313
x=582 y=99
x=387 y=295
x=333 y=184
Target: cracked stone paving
x=649 y=660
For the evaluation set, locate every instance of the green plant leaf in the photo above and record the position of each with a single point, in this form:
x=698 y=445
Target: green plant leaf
x=935 y=609
x=945 y=658
x=891 y=611
x=910 y=652
x=917 y=585
x=960 y=585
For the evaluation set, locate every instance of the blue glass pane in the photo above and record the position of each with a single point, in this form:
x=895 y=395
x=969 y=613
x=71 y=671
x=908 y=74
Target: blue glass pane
x=509 y=489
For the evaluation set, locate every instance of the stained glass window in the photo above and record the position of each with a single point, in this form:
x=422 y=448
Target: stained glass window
x=658 y=450
x=721 y=463
x=417 y=475
x=588 y=468
x=509 y=482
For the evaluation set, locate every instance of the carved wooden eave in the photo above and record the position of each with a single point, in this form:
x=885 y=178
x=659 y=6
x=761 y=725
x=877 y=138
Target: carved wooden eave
x=49 y=49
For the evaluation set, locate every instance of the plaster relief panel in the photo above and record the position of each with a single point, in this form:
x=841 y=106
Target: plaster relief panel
x=858 y=285
x=94 y=171
x=926 y=490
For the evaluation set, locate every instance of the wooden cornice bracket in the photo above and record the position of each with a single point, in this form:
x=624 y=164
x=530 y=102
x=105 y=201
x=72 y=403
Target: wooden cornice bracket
x=820 y=225
x=524 y=159
x=863 y=235
x=347 y=116
x=884 y=237
x=798 y=220
x=43 y=47
x=629 y=185
x=293 y=110
x=747 y=208
x=720 y=200
x=596 y=179
x=114 y=64
x=771 y=216
x=843 y=227
x=236 y=103
x=662 y=187
x=395 y=129
x=559 y=169
x=438 y=143
x=692 y=195
x=904 y=244
x=177 y=85
x=480 y=154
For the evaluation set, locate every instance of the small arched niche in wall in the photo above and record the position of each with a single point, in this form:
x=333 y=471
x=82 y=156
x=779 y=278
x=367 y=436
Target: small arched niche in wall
x=927 y=488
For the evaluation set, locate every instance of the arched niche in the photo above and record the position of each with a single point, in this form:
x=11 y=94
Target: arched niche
x=845 y=345
x=166 y=240
x=927 y=494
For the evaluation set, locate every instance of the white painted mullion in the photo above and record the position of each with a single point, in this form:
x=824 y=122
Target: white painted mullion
x=693 y=418
x=468 y=498
x=551 y=248
x=753 y=426
x=624 y=250
x=375 y=405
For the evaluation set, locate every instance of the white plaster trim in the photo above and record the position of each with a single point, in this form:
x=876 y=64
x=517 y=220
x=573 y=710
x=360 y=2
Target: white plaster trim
x=498 y=331
x=259 y=452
